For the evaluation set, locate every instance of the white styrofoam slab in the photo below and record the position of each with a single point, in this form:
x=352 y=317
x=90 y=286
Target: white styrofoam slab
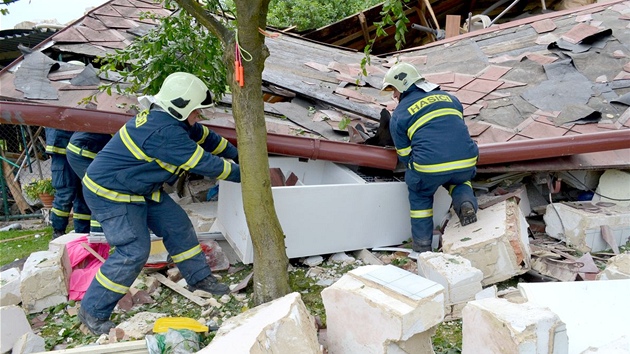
x=595 y=312
x=333 y=210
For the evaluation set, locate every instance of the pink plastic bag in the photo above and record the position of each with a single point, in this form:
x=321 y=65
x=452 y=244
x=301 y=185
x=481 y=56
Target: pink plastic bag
x=84 y=265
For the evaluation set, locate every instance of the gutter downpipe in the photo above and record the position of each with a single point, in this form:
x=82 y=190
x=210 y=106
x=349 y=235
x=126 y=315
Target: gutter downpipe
x=79 y=119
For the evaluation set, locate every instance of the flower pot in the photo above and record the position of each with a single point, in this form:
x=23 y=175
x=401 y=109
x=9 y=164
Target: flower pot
x=46 y=199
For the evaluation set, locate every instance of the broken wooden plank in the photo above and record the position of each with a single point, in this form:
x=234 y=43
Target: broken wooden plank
x=15 y=189
x=452 y=25
x=92 y=252
x=179 y=289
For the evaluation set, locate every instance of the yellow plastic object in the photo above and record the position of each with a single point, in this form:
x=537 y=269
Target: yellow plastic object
x=162 y=324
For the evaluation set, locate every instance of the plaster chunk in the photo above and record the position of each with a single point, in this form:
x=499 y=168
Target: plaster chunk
x=60 y=242
x=29 y=343
x=579 y=224
x=618 y=267
x=13 y=324
x=140 y=324
x=44 y=280
x=500 y=326
x=10 y=287
x=461 y=281
x=497 y=244
x=381 y=309
x=283 y=325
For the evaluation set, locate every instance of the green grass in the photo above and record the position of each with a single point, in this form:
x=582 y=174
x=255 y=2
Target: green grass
x=17 y=244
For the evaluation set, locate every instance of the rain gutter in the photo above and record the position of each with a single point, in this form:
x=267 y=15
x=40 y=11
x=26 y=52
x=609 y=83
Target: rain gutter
x=79 y=119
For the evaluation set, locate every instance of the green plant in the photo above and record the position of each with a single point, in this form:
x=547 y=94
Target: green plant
x=41 y=186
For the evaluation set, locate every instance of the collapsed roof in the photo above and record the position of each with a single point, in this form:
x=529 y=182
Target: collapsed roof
x=555 y=75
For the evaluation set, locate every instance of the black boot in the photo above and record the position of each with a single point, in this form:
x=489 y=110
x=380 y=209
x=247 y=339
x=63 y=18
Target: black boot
x=57 y=233
x=211 y=285
x=467 y=214
x=418 y=247
x=95 y=325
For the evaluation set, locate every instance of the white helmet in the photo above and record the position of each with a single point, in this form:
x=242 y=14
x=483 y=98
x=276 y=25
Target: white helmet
x=402 y=75
x=181 y=93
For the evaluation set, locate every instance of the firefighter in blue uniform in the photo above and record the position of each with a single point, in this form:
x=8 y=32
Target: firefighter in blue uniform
x=68 y=192
x=123 y=187
x=81 y=151
x=433 y=142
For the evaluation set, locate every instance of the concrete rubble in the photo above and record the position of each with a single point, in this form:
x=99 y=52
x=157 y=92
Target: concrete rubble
x=44 y=280
x=461 y=281
x=501 y=326
x=579 y=224
x=382 y=309
x=283 y=325
x=497 y=244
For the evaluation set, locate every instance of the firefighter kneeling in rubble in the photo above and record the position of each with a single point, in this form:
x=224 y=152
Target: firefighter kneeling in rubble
x=433 y=142
x=123 y=188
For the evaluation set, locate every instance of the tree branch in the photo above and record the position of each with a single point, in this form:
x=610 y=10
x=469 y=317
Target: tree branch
x=207 y=20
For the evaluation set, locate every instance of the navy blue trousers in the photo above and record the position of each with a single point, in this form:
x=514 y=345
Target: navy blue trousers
x=422 y=187
x=126 y=227
x=68 y=196
x=79 y=165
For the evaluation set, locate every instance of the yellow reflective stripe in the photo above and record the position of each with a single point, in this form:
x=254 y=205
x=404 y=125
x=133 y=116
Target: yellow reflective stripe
x=420 y=214
x=110 y=285
x=429 y=116
x=63 y=214
x=204 y=136
x=227 y=168
x=167 y=166
x=193 y=160
x=81 y=216
x=139 y=154
x=452 y=186
x=132 y=147
x=222 y=145
x=155 y=196
x=187 y=254
x=404 y=151
x=446 y=166
x=56 y=150
x=109 y=194
x=82 y=152
x=95 y=223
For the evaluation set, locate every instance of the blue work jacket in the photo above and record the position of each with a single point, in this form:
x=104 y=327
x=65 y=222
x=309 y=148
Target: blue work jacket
x=153 y=148
x=429 y=132
x=88 y=144
x=57 y=140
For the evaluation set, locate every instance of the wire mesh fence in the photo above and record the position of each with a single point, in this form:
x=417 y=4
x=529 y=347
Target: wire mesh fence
x=24 y=162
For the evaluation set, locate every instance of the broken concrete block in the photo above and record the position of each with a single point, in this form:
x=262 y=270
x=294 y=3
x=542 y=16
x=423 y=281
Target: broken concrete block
x=579 y=224
x=29 y=343
x=140 y=324
x=595 y=312
x=381 y=309
x=461 y=281
x=497 y=244
x=500 y=326
x=618 y=267
x=44 y=280
x=581 y=179
x=283 y=325
x=10 y=287
x=13 y=324
x=614 y=184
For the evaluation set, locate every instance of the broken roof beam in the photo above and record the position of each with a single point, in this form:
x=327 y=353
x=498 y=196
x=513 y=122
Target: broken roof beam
x=78 y=119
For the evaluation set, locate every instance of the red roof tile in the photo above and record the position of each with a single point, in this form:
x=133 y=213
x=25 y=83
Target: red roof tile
x=543 y=26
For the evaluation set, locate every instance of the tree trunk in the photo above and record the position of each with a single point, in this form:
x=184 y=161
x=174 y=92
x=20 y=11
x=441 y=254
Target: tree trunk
x=270 y=259
x=271 y=278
